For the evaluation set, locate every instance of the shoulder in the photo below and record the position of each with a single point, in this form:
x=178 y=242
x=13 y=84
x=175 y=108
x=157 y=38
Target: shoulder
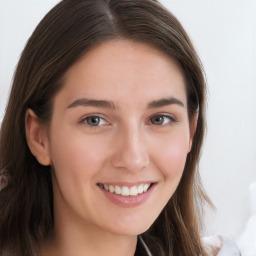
x=220 y=246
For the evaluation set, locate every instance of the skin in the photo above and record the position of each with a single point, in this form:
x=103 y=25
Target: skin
x=127 y=146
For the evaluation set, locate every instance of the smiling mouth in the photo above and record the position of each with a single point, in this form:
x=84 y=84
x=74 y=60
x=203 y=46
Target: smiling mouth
x=125 y=190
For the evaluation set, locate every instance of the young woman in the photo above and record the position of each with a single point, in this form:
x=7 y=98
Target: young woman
x=100 y=142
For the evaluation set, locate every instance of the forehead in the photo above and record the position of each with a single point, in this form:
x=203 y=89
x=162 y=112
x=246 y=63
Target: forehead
x=120 y=70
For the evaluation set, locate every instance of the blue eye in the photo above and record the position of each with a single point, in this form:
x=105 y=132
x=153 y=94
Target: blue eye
x=161 y=119
x=94 y=120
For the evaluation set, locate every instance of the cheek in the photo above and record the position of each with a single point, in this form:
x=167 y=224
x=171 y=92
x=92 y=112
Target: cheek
x=73 y=154
x=77 y=162
x=171 y=156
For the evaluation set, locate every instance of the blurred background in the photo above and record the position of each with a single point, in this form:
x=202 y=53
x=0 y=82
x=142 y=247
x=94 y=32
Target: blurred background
x=224 y=34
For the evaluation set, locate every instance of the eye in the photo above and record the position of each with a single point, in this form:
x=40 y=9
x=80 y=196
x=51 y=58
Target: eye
x=94 y=121
x=161 y=119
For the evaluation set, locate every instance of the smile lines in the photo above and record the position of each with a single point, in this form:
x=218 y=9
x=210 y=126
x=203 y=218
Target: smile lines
x=126 y=191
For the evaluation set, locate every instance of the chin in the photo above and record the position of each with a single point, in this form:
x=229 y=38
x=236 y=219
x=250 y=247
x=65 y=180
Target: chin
x=132 y=228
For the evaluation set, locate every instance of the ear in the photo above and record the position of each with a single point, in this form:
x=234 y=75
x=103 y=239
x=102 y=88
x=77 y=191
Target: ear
x=192 y=128
x=37 y=139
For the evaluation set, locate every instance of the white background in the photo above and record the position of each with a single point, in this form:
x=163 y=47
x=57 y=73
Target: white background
x=224 y=34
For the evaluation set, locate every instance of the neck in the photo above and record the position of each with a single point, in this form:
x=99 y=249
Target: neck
x=93 y=246
x=89 y=243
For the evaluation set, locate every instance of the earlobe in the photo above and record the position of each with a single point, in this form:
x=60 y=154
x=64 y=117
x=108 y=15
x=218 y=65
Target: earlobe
x=193 y=126
x=37 y=139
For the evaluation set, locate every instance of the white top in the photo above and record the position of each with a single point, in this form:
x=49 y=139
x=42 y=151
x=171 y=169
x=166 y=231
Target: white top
x=222 y=245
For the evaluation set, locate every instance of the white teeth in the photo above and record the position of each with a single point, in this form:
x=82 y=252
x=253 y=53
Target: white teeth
x=140 y=189
x=111 y=189
x=126 y=191
x=118 y=190
x=145 y=187
x=133 y=191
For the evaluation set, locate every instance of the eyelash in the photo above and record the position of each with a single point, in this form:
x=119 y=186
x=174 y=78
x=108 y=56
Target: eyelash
x=103 y=122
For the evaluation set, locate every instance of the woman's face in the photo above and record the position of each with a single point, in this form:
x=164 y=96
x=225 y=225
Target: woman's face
x=118 y=138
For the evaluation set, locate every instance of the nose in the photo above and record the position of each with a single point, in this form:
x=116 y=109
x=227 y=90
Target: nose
x=130 y=151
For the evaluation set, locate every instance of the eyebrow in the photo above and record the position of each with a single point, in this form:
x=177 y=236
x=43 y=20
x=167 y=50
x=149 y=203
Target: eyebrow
x=93 y=103
x=165 y=102
x=110 y=105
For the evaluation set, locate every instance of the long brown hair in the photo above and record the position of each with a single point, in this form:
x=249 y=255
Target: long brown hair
x=65 y=34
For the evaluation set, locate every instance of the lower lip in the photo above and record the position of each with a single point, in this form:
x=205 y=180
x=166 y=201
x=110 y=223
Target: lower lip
x=129 y=201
